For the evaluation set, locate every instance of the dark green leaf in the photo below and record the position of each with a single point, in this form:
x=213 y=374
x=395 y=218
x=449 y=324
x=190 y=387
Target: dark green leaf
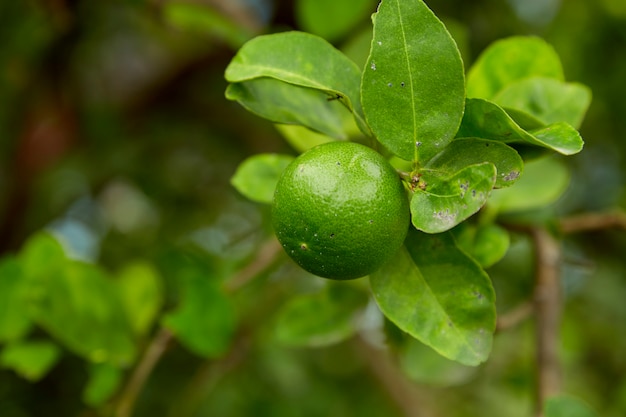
x=257 y=176
x=104 y=379
x=320 y=319
x=510 y=60
x=413 y=86
x=565 y=406
x=29 y=359
x=447 y=201
x=14 y=320
x=547 y=99
x=470 y=151
x=437 y=294
x=304 y=60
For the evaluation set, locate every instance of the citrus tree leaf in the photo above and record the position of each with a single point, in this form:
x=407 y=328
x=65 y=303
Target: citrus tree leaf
x=470 y=151
x=447 y=201
x=104 y=379
x=485 y=119
x=509 y=60
x=437 y=294
x=14 y=320
x=281 y=102
x=332 y=19
x=486 y=243
x=543 y=182
x=302 y=138
x=566 y=406
x=30 y=359
x=547 y=99
x=320 y=319
x=413 y=84
x=257 y=176
x=304 y=60
x=205 y=320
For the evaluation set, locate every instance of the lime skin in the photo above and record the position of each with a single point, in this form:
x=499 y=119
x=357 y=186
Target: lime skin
x=340 y=210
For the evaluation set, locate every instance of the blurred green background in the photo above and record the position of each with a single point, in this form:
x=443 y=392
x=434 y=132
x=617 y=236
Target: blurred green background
x=116 y=137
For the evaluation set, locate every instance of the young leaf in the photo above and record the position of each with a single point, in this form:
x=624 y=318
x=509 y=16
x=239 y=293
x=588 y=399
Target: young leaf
x=566 y=406
x=281 y=102
x=31 y=360
x=549 y=100
x=14 y=320
x=487 y=243
x=446 y=202
x=304 y=60
x=413 y=84
x=485 y=119
x=301 y=138
x=439 y=295
x=509 y=60
x=257 y=176
x=469 y=151
x=320 y=319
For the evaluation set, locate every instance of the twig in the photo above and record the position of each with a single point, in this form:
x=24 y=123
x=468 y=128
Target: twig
x=515 y=316
x=125 y=404
x=547 y=304
x=593 y=221
x=265 y=257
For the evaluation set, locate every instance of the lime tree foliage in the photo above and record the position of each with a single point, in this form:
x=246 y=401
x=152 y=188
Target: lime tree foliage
x=466 y=148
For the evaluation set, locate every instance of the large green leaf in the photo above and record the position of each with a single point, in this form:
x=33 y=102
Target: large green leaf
x=413 y=83
x=14 y=320
x=470 y=151
x=257 y=176
x=30 y=359
x=322 y=318
x=547 y=99
x=304 y=60
x=485 y=119
x=445 y=202
x=437 y=294
x=509 y=60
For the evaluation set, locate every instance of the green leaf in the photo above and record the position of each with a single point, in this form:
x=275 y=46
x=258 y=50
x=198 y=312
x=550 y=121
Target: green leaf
x=332 y=19
x=566 y=406
x=30 y=359
x=301 y=138
x=470 y=151
x=41 y=254
x=486 y=243
x=437 y=294
x=447 y=201
x=257 y=176
x=412 y=86
x=303 y=60
x=510 y=60
x=205 y=321
x=485 y=119
x=141 y=292
x=14 y=320
x=104 y=379
x=320 y=319
x=549 y=100
x=543 y=182
x=280 y=102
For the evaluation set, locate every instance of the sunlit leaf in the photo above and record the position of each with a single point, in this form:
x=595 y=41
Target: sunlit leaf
x=257 y=176
x=413 y=83
x=437 y=294
x=30 y=359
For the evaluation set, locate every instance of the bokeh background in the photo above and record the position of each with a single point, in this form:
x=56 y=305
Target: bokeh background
x=115 y=135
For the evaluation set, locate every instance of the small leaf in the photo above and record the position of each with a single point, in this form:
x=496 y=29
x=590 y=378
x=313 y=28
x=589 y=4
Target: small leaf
x=320 y=319
x=487 y=243
x=281 y=102
x=331 y=19
x=204 y=322
x=257 y=176
x=485 y=119
x=104 y=379
x=413 y=83
x=303 y=60
x=470 y=151
x=549 y=100
x=301 y=138
x=440 y=296
x=446 y=202
x=30 y=359
x=510 y=60
x=14 y=320
x=543 y=182
x=566 y=406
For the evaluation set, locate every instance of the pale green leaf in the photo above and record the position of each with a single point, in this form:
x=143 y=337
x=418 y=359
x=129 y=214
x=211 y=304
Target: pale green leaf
x=445 y=202
x=14 y=320
x=486 y=243
x=437 y=294
x=332 y=19
x=566 y=406
x=301 y=138
x=257 y=176
x=30 y=359
x=510 y=60
x=413 y=83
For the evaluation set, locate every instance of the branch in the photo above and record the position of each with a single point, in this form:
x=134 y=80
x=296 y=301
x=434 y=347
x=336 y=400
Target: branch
x=547 y=305
x=515 y=316
x=265 y=257
x=593 y=221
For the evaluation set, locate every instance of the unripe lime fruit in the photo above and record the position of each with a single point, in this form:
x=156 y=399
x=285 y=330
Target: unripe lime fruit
x=340 y=210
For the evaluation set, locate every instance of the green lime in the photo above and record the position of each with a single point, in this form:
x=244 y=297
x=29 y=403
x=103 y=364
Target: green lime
x=340 y=210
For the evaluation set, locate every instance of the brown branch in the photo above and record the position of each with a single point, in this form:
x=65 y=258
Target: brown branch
x=515 y=316
x=265 y=257
x=547 y=305
x=592 y=222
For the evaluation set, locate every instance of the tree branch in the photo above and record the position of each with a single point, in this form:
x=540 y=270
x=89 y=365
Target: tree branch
x=515 y=316
x=265 y=257
x=593 y=221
